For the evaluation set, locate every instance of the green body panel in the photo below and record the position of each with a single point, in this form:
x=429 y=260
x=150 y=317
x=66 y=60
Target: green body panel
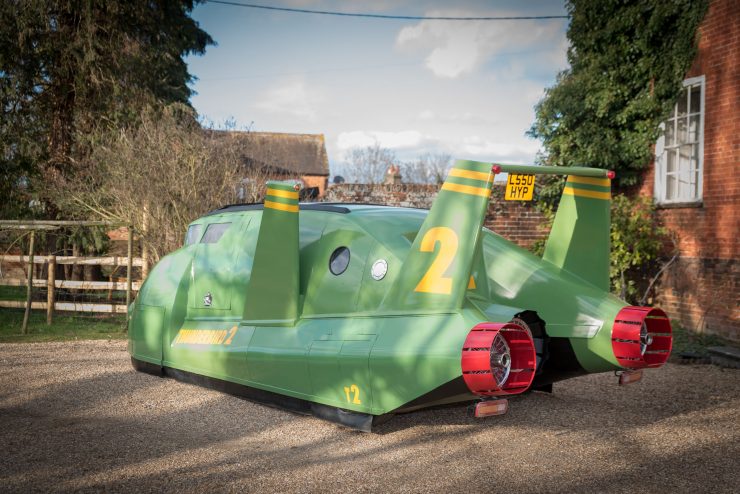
x=578 y=241
x=572 y=307
x=272 y=294
x=146 y=336
x=280 y=321
x=208 y=273
x=445 y=246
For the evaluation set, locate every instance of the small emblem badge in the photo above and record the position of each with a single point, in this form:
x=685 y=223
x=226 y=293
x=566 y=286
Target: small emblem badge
x=379 y=269
x=208 y=299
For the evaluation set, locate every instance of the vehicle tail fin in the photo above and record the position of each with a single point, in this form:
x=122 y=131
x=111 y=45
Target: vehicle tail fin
x=436 y=272
x=579 y=240
x=272 y=294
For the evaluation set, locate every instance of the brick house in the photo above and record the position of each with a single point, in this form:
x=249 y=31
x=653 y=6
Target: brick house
x=289 y=155
x=696 y=185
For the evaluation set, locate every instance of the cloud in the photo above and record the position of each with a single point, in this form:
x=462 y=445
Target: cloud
x=292 y=98
x=403 y=140
x=459 y=118
x=411 y=144
x=491 y=150
x=456 y=48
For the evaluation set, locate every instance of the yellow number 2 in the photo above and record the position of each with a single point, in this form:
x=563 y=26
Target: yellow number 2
x=434 y=281
x=353 y=394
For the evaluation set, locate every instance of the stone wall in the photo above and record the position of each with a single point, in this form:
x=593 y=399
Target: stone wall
x=518 y=222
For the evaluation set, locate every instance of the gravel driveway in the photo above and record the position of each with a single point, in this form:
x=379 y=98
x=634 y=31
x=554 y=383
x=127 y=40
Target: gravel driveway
x=75 y=416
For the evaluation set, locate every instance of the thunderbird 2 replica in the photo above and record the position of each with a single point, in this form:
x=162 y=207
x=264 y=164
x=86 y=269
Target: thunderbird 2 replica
x=354 y=313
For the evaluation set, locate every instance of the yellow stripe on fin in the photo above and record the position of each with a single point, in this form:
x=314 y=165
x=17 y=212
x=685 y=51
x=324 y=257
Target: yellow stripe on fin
x=287 y=194
x=467 y=189
x=587 y=193
x=603 y=182
x=291 y=208
x=459 y=172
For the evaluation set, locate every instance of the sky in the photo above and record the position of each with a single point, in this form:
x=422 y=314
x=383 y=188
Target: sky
x=463 y=88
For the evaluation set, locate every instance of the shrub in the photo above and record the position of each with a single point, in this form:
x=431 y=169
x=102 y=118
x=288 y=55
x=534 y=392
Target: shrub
x=637 y=240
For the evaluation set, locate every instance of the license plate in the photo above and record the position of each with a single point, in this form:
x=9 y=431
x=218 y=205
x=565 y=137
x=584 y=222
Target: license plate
x=519 y=187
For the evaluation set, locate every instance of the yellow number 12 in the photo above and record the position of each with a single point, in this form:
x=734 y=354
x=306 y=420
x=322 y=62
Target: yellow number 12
x=355 y=392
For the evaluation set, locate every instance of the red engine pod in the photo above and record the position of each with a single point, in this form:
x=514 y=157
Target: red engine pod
x=483 y=370
x=641 y=337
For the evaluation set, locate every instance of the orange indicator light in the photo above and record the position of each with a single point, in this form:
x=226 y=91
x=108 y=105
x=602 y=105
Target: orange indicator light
x=489 y=408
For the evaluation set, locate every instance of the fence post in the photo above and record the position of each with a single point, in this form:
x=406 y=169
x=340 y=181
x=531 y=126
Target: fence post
x=24 y=327
x=50 y=288
x=144 y=250
x=129 y=264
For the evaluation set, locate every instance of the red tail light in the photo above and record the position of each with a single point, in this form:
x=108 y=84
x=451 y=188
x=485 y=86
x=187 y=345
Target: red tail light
x=641 y=337
x=498 y=359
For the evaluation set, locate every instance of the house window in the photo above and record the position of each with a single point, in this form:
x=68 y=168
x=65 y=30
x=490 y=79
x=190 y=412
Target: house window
x=680 y=149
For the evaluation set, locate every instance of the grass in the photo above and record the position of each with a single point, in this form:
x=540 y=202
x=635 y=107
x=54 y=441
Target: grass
x=66 y=327
x=13 y=293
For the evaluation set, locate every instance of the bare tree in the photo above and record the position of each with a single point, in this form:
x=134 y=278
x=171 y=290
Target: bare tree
x=427 y=169
x=159 y=176
x=369 y=164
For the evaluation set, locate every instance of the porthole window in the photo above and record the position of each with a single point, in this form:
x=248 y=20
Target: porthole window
x=339 y=261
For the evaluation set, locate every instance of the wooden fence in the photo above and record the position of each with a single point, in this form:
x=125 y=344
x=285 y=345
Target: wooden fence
x=52 y=283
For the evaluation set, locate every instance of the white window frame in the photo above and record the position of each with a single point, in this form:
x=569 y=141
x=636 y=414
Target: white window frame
x=660 y=160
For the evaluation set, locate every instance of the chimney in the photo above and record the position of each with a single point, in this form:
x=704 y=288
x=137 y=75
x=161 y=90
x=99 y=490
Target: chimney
x=393 y=175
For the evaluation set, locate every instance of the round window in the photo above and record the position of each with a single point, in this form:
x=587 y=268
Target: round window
x=339 y=261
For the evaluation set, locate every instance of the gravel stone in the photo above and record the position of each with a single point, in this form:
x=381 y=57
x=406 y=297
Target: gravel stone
x=75 y=416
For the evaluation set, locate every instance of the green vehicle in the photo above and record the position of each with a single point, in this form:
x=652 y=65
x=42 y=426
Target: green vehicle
x=354 y=313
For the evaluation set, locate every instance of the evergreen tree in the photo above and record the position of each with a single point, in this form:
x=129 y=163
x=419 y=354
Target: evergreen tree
x=627 y=61
x=70 y=66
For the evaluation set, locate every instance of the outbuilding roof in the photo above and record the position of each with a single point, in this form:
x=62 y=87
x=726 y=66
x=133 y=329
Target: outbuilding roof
x=301 y=154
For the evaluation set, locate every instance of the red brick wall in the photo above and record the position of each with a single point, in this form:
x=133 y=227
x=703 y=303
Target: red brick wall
x=516 y=221
x=702 y=294
x=316 y=181
x=702 y=288
x=519 y=222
